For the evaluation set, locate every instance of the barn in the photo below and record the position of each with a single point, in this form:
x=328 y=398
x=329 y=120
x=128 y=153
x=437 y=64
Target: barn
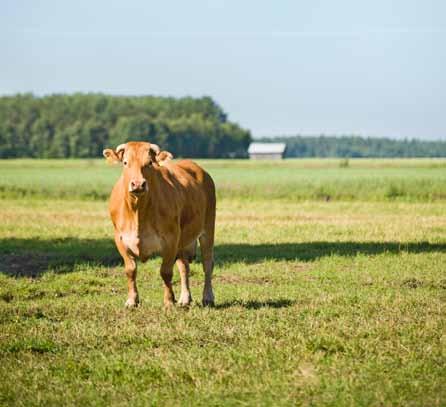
x=266 y=151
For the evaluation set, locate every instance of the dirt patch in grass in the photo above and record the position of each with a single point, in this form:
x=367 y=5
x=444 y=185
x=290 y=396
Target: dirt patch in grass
x=233 y=279
x=412 y=283
x=254 y=304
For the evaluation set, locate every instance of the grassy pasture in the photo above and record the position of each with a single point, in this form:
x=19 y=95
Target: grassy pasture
x=335 y=299
x=364 y=179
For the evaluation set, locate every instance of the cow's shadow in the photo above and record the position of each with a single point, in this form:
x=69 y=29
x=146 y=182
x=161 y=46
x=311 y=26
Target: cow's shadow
x=33 y=257
x=310 y=251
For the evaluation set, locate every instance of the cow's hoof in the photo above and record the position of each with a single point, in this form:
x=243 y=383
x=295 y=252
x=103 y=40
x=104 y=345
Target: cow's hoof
x=169 y=305
x=208 y=303
x=185 y=301
x=131 y=303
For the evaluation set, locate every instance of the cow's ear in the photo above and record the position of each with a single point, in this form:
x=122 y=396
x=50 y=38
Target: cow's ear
x=163 y=157
x=111 y=156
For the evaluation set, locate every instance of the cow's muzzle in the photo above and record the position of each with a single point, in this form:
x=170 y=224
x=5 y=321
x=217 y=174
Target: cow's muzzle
x=138 y=187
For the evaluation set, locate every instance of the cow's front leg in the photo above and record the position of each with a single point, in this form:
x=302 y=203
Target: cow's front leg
x=166 y=274
x=130 y=271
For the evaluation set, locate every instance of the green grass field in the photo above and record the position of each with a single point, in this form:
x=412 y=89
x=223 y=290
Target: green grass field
x=330 y=289
x=365 y=179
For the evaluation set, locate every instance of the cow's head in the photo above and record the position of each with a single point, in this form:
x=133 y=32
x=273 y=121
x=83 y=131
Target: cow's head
x=137 y=159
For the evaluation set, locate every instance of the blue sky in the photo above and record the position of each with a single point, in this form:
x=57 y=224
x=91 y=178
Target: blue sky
x=377 y=68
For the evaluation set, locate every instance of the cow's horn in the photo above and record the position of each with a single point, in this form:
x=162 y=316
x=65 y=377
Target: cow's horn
x=120 y=147
x=155 y=148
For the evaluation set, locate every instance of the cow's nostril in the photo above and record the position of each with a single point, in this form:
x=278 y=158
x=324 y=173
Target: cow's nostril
x=138 y=186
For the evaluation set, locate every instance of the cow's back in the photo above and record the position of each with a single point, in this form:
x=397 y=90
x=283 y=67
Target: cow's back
x=199 y=193
x=189 y=169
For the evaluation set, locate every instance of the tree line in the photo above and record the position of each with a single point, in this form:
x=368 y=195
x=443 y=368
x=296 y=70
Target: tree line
x=356 y=146
x=82 y=125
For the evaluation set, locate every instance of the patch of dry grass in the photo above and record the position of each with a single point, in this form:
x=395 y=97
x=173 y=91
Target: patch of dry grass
x=317 y=303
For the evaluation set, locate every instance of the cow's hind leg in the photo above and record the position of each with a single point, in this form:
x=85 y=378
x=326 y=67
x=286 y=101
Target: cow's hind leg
x=207 y=254
x=166 y=274
x=183 y=268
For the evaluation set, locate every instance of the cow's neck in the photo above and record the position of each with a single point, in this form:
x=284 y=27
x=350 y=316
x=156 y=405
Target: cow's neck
x=136 y=204
x=138 y=207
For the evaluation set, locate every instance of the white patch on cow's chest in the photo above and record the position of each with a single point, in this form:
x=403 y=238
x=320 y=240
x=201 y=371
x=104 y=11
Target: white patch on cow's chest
x=142 y=246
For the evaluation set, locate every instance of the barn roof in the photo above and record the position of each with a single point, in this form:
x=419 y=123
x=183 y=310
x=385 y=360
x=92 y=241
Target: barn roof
x=266 y=148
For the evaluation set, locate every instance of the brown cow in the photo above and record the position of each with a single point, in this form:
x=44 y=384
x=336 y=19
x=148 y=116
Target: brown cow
x=162 y=208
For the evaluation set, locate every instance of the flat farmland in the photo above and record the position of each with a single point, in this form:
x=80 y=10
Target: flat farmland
x=306 y=179
x=330 y=289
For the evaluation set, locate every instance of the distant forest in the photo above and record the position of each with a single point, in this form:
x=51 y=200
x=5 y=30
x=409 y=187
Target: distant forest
x=82 y=125
x=355 y=146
